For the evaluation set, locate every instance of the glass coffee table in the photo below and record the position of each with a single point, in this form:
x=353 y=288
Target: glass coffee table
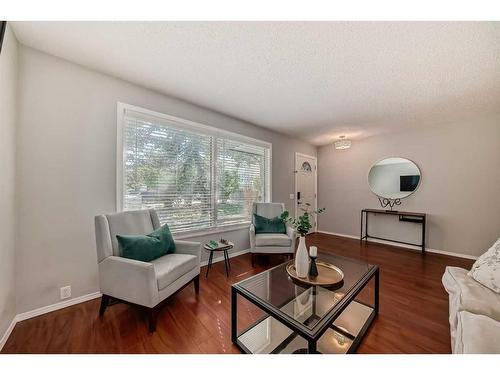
x=282 y=316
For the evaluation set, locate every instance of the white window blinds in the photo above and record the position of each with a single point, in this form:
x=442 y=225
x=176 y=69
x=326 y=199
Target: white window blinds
x=196 y=178
x=241 y=180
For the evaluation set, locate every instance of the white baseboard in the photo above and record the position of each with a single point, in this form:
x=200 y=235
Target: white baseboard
x=442 y=252
x=221 y=258
x=87 y=297
x=338 y=234
x=449 y=253
x=56 y=306
x=73 y=301
x=7 y=333
x=44 y=310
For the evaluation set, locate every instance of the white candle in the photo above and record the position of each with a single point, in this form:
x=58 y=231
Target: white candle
x=313 y=251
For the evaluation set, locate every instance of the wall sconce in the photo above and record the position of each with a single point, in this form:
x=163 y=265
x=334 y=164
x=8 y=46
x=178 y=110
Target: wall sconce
x=342 y=143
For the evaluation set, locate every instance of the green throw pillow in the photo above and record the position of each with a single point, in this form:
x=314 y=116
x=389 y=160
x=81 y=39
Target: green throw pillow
x=265 y=225
x=147 y=247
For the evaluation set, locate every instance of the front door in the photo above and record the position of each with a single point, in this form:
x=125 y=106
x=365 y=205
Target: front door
x=305 y=185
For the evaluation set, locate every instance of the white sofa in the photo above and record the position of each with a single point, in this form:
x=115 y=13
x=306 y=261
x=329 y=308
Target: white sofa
x=474 y=314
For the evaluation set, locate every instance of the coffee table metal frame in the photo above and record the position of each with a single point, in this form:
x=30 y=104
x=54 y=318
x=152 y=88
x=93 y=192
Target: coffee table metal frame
x=311 y=335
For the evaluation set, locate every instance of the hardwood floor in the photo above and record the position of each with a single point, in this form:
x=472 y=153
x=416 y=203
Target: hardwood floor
x=413 y=314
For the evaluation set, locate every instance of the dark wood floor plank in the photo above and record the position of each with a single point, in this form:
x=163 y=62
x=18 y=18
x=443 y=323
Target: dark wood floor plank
x=413 y=314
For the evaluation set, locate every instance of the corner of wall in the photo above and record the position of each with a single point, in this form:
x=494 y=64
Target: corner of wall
x=9 y=81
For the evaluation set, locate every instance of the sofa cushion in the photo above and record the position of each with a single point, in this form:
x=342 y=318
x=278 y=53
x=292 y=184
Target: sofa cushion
x=477 y=334
x=466 y=294
x=486 y=270
x=141 y=247
x=164 y=234
x=272 y=239
x=147 y=247
x=170 y=267
x=265 y=225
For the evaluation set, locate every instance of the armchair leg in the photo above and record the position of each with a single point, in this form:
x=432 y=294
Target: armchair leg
x=152 y=318
x=196 y=282
x=104 y=304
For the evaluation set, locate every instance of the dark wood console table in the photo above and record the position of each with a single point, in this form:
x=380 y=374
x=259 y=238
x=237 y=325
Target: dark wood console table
x=411 y=217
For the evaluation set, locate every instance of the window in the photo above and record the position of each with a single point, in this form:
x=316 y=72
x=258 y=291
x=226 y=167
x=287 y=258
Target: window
x=241 y=177
x=196 y=177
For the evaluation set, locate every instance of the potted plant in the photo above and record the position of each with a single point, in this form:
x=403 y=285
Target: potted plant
x=301 y=225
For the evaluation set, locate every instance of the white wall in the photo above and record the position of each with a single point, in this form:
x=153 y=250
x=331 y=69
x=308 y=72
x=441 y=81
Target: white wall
x=66 y=169
x=459 y=190
x=8 y=94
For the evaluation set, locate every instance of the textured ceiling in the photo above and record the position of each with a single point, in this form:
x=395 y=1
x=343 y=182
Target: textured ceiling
x=312 y=80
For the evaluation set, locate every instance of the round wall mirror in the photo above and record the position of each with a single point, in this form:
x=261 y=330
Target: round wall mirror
x=394 y=178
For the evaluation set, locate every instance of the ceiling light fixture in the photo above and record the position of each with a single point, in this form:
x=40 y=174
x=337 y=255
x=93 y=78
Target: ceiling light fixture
x=342 y=143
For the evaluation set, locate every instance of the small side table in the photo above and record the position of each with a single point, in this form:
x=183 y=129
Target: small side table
x=222 y=247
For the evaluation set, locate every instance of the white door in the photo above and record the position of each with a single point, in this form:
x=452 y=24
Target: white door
x=305 y=185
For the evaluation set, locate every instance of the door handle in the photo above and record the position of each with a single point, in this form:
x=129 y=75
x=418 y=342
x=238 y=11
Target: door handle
x=298 y=196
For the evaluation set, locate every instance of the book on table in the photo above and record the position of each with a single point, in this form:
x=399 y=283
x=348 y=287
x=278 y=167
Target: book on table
x=217 y=245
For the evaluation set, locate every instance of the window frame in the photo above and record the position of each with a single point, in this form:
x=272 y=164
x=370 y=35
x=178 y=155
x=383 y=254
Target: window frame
x=199 y=128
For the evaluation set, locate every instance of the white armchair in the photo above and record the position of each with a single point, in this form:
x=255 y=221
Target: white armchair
x=271 y=243
x=146 y=284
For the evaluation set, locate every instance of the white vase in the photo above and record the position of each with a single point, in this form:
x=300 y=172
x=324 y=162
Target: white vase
x=302 y=258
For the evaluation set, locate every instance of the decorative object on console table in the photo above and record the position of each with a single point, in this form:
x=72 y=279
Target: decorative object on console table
x=302 y=225
x=313 y=269
x=409 y=217
x=384 y=202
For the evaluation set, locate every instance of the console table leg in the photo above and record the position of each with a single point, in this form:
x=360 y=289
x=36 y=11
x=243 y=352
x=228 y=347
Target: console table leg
x=423 y=234
x=366 y=228
x=361 y=229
